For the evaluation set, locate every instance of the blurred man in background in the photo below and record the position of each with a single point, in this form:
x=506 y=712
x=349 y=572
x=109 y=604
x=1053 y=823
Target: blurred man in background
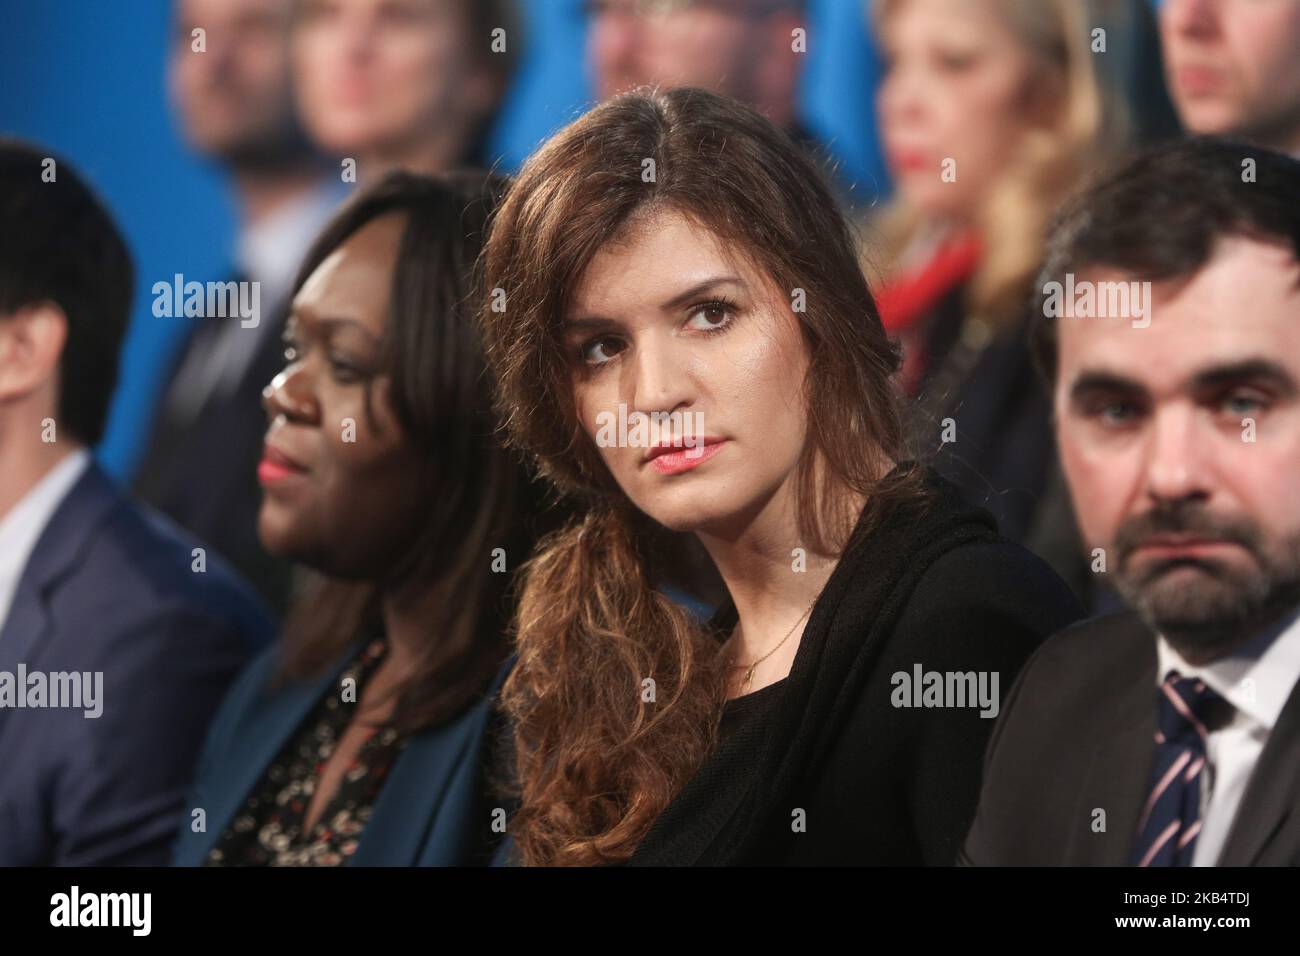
x=745 y=49
x=118 y=636
x=410 y=84
x=1233 y=68
x=229 y=73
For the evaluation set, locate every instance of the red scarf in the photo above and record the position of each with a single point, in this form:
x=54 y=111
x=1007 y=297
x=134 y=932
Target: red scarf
x=908 y=298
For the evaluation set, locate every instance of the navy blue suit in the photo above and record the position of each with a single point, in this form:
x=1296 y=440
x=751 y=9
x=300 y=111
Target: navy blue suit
x=110 y=588
x=435 y=808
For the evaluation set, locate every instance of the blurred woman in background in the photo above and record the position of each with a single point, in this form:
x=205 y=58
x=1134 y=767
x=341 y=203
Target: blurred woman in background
x=361 y=737
x=677 y=257
x=991 y=113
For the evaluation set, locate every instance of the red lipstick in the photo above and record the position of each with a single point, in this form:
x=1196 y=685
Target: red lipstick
x=276 y=467
x=669 y=460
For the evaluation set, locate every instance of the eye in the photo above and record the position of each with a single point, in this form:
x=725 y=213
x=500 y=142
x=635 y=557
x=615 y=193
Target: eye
x=1243 y=402
x=712 y=316
x=955 y=61
x=1114 y=413
x=344 y=371
x=599 y=351
x=314 y=10
x=401 y=14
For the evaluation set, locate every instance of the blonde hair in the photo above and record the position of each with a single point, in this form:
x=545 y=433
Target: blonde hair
x=1048 y=166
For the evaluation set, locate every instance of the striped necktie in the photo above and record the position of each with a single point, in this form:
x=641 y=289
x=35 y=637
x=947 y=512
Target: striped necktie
x=1171 y=817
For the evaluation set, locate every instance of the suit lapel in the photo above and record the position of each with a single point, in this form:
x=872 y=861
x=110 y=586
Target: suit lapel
x=58 y=551
x=401 y=831
x=1120 y=762
x=1271 y=793
x=399 y=827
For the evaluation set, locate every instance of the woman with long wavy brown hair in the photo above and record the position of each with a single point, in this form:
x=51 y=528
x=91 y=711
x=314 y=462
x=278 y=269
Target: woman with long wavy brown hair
x=674 y=259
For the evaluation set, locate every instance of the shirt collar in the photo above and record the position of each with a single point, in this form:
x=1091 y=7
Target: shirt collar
x=1257 y=679
x=22 y=525
x=271 y=250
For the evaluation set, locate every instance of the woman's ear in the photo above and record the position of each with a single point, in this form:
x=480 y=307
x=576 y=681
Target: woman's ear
x=31 y=344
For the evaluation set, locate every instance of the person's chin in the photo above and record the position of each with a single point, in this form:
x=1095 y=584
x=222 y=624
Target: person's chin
x=346 y=135
x=1210 y=117
x=1199 y=601
x=687 y=510
x=276 y=530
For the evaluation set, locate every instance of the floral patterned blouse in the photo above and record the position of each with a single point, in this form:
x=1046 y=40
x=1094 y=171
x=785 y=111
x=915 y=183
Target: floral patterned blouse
x=268 y=830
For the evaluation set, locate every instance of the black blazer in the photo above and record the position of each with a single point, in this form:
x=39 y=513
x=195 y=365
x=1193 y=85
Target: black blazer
x=878 y=783
x=200 y=469
x=1076 y=736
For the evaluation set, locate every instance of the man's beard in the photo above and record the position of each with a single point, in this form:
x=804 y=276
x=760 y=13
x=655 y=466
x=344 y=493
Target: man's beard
x=280 y=152
x=1206 y=618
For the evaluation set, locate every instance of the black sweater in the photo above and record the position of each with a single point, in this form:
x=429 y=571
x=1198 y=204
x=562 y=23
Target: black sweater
x=831 y=770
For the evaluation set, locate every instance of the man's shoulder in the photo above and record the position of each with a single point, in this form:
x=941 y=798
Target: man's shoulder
x=1103 y=643
x=1091 y=661
x=136 y=564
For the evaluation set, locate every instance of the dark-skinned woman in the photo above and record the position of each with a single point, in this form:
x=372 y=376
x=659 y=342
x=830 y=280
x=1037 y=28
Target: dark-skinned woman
x=364 y=736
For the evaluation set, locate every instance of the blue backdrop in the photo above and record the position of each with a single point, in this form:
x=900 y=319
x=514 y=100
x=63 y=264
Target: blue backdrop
x=85 y=78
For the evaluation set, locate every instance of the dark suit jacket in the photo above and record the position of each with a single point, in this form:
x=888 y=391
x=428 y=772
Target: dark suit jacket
x=435 y=809
x=200 y=469
x=1076 y=736
x=109 y=588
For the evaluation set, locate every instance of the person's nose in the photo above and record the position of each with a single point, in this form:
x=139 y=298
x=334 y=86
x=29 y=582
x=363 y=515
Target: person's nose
x=662 y=382
x=292 y=395
x=1193 y=18
x=1177 y=464
x=901 y=97
x=358 y=36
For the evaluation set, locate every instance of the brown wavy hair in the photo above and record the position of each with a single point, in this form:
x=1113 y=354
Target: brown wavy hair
x=595 y=763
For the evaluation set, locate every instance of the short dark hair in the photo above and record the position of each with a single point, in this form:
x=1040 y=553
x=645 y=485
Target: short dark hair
x=59 y=244
x=1159 y=215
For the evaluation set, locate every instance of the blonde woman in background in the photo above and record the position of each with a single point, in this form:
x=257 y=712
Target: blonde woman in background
x=991 y=113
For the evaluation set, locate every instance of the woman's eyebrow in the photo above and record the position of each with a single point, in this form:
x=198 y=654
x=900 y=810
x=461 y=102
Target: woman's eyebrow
x=334 y=324
x=586 y=323
x=700 y=288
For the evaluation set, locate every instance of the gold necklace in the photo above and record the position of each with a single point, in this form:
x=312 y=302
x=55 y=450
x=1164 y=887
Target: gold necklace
x=749 y=674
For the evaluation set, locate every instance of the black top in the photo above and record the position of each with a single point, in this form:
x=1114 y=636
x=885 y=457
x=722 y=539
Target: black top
x=843 y=768
x=199 y=466
x=739 y=711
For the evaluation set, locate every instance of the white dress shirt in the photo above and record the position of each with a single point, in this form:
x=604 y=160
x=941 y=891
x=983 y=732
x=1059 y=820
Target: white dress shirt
x=1256 y=680
x=21 y=526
